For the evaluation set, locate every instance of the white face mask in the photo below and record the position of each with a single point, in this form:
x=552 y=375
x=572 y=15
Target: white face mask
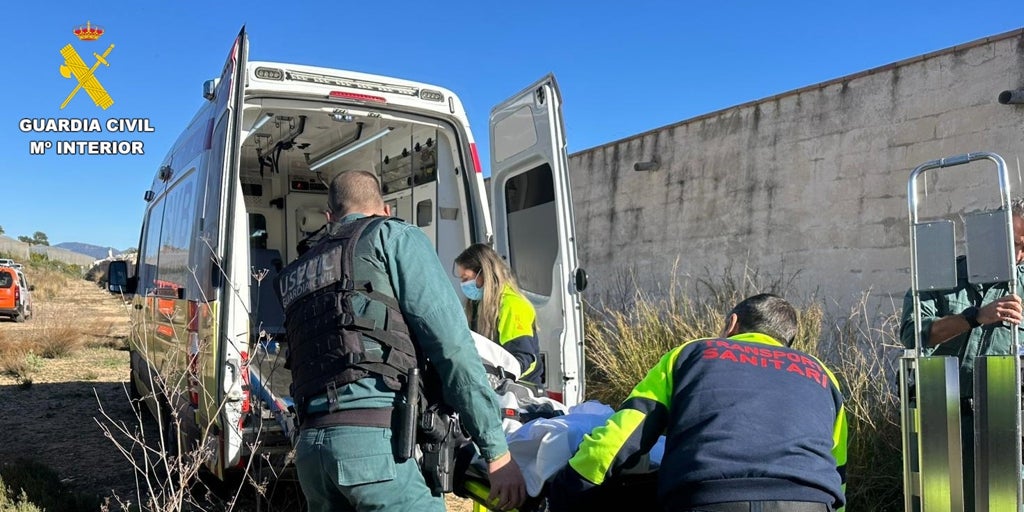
x=471 y=290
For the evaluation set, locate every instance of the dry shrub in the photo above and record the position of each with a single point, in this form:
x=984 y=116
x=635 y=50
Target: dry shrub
x=12 y=356
x=15 y=500
x=865 y=362
x=627 y=339
x=624 y=342
x=14 y=364
x=56 y=336
x=48 y=283
x=622 y=345
x=18 y=361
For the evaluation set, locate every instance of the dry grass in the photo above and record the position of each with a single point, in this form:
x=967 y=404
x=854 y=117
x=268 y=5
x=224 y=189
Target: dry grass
x=15 y=500
x=61 y=326
x=48 y=283
x=626 y=339
x=865 y=357
x=624 y=342
x=56 y=336
x=17 y=361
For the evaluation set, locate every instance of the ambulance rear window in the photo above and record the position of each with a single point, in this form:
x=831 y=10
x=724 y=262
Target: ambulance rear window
x=6 y=280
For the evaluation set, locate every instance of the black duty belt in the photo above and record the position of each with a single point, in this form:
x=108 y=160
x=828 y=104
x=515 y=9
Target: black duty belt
x=763 y=506
x=379 y=417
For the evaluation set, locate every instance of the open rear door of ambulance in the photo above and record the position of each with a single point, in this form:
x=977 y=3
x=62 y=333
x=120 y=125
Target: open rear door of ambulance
x=534 y=228
x=222 y=361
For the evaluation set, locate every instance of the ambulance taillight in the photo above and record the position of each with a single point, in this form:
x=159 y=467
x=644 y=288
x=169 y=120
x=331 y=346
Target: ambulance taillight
x=342 y=95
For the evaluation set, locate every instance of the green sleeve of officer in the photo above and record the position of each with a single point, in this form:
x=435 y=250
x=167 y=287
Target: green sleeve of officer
x=929 y=313
x=435 y=316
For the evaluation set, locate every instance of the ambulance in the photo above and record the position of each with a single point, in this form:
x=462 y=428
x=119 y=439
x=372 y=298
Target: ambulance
x=246 y=183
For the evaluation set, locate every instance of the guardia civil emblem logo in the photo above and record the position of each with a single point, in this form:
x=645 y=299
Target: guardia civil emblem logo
x=85 y=76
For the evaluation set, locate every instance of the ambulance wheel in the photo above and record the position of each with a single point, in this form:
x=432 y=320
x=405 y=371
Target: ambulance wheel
x=20 y=315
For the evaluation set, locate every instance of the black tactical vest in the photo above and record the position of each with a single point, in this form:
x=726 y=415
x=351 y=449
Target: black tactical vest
x=342 y=320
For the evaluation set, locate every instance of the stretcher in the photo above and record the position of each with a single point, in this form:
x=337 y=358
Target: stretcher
x=542 y=444
x=632 y=491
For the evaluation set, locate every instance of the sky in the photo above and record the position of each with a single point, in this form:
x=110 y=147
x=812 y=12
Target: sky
x=623 y=68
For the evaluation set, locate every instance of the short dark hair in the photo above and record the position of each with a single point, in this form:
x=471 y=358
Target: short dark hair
x=353 y=191
x=1017 y=206
x=767 y=314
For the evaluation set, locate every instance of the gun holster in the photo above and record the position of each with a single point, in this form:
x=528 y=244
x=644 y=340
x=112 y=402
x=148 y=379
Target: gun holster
x=440 y=435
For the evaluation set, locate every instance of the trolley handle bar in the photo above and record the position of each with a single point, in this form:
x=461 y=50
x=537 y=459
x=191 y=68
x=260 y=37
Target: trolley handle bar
x=1004 y=194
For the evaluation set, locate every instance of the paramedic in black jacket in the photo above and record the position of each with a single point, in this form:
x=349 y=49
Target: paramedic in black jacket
x=751 y=424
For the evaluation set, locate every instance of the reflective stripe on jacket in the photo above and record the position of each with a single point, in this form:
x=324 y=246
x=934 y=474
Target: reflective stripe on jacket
x=517 y=333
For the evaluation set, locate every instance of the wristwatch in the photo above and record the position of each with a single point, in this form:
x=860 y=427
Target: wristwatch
x=971 y=315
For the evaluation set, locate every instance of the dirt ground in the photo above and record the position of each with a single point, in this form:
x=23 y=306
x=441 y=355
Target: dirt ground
x=56 y=420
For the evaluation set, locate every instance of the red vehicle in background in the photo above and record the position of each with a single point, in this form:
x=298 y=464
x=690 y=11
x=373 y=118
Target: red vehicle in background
x=15 y=294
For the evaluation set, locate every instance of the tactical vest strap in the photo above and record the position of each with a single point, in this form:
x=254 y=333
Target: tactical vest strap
x=368 y=290
x=398 y=343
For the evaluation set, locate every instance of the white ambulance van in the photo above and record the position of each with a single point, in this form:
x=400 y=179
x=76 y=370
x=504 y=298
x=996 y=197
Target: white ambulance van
x=245 y=183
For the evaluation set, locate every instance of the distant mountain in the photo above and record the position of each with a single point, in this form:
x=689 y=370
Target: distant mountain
x=92 y=250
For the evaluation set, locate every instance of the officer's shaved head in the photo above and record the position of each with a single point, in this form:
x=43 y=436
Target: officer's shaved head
x=355 y=192
x=767 y=314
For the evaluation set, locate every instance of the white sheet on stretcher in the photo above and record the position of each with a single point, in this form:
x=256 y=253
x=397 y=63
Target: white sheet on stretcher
x=543 y=446
x=495 y=355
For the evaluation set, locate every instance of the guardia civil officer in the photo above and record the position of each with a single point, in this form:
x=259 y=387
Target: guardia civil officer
x=362 y=306
x=751 y=425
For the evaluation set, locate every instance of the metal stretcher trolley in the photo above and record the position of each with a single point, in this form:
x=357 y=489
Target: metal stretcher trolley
x=930 y=387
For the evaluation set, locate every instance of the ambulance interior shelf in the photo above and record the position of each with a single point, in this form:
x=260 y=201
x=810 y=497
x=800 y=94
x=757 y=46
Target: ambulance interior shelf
x=414 y=164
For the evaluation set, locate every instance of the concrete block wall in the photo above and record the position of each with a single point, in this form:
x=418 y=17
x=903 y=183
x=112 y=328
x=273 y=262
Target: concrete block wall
x=810 y=183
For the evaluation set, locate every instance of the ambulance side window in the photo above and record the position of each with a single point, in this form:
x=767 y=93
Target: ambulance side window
x=532 y=231
x=176 y=234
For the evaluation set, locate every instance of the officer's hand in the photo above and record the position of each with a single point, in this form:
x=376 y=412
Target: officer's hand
x=508 y=489
x=1004 y=309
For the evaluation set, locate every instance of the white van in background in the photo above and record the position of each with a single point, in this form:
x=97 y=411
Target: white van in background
x=246 y=182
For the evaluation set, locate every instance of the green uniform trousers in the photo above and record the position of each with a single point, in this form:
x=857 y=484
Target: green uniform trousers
x=347 y=468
